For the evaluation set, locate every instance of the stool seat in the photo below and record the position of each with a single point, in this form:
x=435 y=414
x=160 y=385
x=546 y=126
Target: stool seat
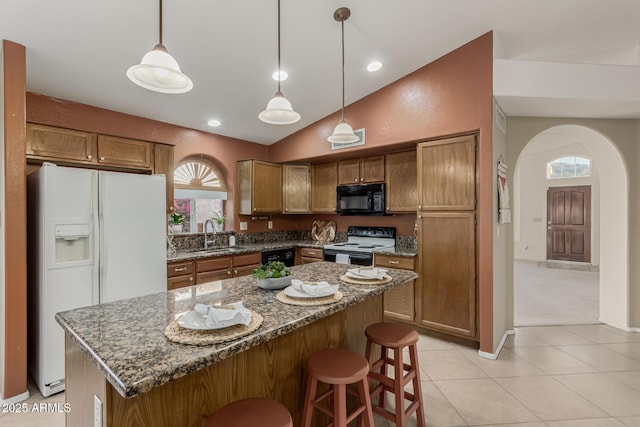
x=251 y=412
x=391 y=334
x=338 y=366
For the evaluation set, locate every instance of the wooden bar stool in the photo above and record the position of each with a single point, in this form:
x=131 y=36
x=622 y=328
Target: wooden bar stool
x=337 y=367
x=395 y=336
x=251 y=412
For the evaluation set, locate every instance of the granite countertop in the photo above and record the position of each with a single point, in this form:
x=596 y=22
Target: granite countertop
x=125 y=339
x=243 y=249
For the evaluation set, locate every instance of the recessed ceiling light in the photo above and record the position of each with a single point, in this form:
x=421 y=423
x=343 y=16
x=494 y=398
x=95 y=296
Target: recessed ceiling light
x=214 y=123
x=280 y=75
x=374 y=66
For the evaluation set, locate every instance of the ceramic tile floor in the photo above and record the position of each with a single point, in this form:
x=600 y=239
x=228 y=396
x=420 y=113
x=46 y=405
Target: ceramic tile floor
x=555 y=376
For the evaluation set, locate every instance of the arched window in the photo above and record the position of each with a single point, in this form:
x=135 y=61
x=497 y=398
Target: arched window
x=199 y=193
x=569 y=167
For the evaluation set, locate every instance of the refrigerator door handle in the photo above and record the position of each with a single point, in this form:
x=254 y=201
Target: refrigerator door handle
x=97 y=261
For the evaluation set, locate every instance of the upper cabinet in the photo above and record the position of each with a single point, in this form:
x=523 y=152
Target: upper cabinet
x=296 y=188
x=114 y=151
x=163 y=164
x=259 y=187
x=324 y=179
x=51 y=143
x=402 y=182
x=361 y=171
x=438 y=189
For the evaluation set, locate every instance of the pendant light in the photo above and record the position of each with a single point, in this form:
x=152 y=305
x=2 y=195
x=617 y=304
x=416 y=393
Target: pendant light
x=279 y=110
x=343 y=133
x=158 y=71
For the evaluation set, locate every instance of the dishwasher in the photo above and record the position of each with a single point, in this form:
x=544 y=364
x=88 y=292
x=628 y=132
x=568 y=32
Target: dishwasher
x=287 y=256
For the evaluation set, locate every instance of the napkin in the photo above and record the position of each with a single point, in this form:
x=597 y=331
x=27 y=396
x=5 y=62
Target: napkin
x=218 y=317
x=320 y=289
x=369 y=273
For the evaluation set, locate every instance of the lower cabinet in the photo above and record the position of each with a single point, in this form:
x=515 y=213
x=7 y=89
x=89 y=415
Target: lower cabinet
x=180 y=274
x=399 y=302
x=309 y=255
x=186 y=273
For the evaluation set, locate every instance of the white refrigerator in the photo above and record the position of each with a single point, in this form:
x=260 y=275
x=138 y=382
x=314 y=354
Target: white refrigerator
x=93 y=237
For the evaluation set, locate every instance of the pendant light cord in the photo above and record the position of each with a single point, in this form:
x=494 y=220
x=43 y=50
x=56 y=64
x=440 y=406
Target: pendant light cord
x=279 y=71
x=160 y=23
x=342 y=24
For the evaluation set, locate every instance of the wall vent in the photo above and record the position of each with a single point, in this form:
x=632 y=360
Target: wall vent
x=501 y=119
x=359 y=133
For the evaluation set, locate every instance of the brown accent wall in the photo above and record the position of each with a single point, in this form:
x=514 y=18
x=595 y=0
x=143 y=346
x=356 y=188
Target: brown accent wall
x=15 y=274
x=451 y=95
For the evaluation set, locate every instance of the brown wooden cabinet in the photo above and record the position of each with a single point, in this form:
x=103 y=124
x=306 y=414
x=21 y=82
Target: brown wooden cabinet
x=361 y=171
x=243 y=265
x=447 y=174
x=196 y=272
x=180 y=274
x=399 y=302
x=124 y=152
x=259 y=187
x=296 y=188
x=309 y=255
x=163 y=164
x=48 y=143
x=401 y=171
x=447 y=263
x=324 y=180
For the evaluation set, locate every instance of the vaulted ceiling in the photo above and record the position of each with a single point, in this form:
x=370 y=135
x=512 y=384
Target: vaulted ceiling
x=576 y=58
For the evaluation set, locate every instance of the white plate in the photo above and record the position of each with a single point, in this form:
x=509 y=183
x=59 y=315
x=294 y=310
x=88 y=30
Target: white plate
x=196 y=321
x=294 y=293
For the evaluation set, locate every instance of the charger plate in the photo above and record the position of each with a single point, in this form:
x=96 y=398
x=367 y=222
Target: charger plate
x=282 y=297
x=176 y=333
x=384 y=280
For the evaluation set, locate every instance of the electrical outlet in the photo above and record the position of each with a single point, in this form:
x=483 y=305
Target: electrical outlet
x=97 y=411
x=243 y=225
x=270 y=225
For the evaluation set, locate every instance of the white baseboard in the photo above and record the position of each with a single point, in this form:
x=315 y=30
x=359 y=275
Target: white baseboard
x=494 y=355
x=14 y=399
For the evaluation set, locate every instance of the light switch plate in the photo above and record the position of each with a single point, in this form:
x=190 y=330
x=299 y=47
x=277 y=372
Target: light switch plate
x=97 y=411
x=270 y=225
x=243 y=225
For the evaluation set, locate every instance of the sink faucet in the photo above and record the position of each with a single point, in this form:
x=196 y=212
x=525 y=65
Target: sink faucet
x=213 y=228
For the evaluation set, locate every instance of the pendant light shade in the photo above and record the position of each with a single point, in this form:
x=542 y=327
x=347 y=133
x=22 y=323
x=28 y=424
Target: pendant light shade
x=279 y=110
x=343 y=133
x=158 y=71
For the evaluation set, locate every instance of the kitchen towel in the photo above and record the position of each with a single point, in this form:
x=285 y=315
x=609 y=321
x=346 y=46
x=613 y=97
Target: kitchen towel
x=342 y=259
x=232 y=314
x=504 y=213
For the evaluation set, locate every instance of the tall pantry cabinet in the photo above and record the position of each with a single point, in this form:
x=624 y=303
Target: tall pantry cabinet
x=447 y=291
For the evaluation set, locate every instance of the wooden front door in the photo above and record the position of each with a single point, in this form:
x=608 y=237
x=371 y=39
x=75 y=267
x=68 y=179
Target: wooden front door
x=569 y=223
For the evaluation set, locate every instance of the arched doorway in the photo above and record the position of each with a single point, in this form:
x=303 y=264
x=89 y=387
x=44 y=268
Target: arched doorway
x=613 y=220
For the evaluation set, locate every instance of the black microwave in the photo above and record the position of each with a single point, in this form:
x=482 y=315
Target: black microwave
x=364 y=199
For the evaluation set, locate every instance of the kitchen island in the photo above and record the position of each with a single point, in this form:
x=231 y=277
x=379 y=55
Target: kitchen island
x=118 y=352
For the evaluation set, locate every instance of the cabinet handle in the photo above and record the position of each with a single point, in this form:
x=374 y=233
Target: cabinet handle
x=89 y=157
x=228 y=271
x=419 y=206
x=286 y=210
x=311 y=253
x=102 y=158
x=393 y=262
x=356 y=180
x=361 y=179
x=180 y=269
x=235 y=271
x=254 y=209
x=191 y=279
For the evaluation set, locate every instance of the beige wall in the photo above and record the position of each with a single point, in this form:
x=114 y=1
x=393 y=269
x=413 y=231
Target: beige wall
x=624 y=134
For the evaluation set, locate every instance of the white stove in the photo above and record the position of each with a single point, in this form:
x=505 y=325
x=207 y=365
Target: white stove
x=360 y=245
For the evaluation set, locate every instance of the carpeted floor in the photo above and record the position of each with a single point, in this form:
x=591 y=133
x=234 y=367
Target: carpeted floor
x=554 y=296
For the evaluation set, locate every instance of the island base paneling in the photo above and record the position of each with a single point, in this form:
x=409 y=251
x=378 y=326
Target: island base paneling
x=275 y=369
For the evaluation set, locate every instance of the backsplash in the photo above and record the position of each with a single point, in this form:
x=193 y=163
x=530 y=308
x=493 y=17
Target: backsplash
x=194 y=241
